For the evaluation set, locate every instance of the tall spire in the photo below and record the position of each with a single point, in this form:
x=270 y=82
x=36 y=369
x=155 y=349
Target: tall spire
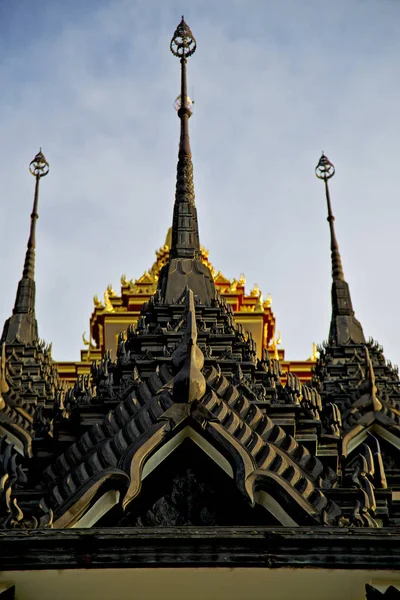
x=344 y=327
x=185 y=269
x=22 y=326
x=185 y=232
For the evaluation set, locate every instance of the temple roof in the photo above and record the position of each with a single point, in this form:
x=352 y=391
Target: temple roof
x=187 y=389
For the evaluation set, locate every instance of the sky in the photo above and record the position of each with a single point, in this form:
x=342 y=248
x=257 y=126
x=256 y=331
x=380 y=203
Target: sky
x=274 y=84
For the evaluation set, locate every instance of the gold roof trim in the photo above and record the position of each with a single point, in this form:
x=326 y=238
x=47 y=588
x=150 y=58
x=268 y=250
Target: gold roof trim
x=108 y=307
x=147 y=278
x=97 y=303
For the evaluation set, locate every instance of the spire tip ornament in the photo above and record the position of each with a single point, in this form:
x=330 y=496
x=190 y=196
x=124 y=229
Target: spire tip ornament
x=39 y=167
x=183 y=43
x=324 y=169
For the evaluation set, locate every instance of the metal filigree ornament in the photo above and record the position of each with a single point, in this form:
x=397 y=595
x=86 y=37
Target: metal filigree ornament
x=39 y=167
x=324 y=169
x=183 y=44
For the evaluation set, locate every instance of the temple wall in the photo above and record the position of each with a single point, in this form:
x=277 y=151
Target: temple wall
x=197 y=584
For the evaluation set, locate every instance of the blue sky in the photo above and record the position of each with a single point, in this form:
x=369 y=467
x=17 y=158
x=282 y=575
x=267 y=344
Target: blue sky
x=274 y=83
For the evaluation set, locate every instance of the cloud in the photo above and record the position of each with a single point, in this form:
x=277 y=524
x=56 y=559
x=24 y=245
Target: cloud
x=273 y=86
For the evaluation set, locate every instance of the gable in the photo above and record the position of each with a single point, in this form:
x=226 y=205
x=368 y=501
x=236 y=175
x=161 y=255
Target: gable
x=188 y=488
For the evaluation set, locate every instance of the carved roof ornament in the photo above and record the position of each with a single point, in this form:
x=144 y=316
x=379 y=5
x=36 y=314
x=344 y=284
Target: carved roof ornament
x=87 y=342
x=314 y=353
x=189 y=382
x=111 y=292
x=276 y=341
x=97 y=303
x=344 y=326
x=22 y=325
x=108 y=305
x=4 y=388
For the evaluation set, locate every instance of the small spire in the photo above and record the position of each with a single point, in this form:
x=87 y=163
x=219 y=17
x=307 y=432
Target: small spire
x=39 y=167
x=344 y=328
x=22 y=326
x=185 y=233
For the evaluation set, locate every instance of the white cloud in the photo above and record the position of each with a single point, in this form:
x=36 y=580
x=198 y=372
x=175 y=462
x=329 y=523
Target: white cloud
x=273 y=86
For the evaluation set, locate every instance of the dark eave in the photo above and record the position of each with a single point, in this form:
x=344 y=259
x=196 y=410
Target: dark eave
x=178 y=547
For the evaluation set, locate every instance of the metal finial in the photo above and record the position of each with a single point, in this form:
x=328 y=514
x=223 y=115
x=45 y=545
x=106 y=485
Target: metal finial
x=324 y=169
x=183 y=43
x=39 y=167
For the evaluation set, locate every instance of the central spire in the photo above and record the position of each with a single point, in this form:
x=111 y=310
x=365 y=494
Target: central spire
x=185 y=269
x=344 y=328
x=22 y=325
x=185 y=232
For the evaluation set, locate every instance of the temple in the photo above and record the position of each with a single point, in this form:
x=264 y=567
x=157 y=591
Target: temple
x=180 y=441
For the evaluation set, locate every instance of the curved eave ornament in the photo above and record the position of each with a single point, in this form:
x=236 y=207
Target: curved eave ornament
x=371 y=412
x=79 y=504
x=250 y=480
